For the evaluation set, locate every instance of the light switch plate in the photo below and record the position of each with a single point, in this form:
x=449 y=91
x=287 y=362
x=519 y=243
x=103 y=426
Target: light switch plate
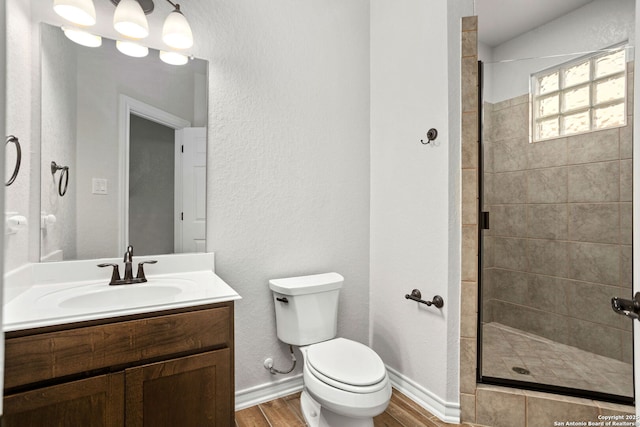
x=99 y=186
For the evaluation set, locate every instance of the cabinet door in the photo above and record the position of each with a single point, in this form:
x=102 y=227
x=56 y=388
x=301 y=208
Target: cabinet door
x=95 y=402
x=193 y=391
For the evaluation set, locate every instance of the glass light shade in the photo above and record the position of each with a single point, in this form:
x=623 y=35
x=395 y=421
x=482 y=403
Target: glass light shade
x=129 y=20
x=82 y=37
x=173 y=58
x=176 y=31
x=132 y=49
x=81 y=12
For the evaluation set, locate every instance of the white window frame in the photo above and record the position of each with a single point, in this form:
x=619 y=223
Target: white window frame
x=535 y=95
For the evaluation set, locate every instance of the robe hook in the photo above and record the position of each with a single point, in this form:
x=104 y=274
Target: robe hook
x=432 y=134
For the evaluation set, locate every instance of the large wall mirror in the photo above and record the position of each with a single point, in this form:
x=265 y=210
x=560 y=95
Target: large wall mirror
x=559 y=244
x=128 y=138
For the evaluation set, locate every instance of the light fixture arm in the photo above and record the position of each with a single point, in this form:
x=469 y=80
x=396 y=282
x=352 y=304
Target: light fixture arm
x=147 y=5
x=176 y=6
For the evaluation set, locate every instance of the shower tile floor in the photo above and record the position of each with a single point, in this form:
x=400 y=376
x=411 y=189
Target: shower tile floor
x=550 y=362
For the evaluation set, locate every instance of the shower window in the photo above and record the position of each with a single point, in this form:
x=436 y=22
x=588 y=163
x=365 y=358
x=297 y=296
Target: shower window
x=580 y=96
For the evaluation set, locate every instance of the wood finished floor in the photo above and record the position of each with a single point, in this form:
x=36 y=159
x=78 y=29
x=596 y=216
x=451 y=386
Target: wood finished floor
x=285 y=412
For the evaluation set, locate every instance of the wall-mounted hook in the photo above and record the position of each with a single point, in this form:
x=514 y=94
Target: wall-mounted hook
x=65 y=174
x=432 y=134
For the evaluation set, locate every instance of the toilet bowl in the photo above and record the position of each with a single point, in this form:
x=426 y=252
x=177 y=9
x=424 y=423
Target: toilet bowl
x=345 y=382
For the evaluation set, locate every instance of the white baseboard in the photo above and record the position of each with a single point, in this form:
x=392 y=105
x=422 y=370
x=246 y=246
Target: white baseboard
x=448 y=412
x=269 y=391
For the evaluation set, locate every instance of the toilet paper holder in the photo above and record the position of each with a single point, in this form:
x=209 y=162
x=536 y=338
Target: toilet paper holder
x=416 y=295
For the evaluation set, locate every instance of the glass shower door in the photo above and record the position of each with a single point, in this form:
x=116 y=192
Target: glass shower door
x=557 y=249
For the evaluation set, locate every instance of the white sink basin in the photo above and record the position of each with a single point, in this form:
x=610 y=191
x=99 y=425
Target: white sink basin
x=56 y=293
x=101 y=295
x=118 y=296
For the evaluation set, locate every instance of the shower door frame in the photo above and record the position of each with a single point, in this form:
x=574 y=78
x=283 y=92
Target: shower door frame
x=481 y=379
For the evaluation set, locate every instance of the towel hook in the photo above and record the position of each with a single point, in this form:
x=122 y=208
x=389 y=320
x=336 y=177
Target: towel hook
x=16 y=169
x=432 y=134
x=64 y=174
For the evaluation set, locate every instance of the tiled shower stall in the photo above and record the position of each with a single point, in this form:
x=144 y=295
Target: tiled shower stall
x=536 y=256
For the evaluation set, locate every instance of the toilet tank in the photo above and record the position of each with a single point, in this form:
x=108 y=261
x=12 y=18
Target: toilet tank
x=306 y=307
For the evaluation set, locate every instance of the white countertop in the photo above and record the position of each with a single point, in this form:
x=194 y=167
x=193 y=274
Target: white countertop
x=47 y=294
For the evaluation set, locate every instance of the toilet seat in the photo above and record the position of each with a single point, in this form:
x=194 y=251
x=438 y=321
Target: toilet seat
x=346 y=365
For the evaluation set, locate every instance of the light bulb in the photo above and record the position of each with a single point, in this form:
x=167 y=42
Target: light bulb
x=82 y=37
x=176 y=31
x=129 y=20
x=173 y=58
x=81 y=12
x=132 y=49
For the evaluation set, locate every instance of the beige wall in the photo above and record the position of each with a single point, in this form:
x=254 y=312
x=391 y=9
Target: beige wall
x=559 y=246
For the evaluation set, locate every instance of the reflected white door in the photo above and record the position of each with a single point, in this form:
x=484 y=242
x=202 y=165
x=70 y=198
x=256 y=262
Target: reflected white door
x=191 y=201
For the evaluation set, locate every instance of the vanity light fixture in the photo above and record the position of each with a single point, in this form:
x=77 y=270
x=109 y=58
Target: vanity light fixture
x=132 y=48
x=129 y=20
x=176 y=31
x=82 y=37
x=173 y=58
x=81 y=12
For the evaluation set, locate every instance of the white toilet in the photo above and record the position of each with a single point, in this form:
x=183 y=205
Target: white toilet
x=345 y=382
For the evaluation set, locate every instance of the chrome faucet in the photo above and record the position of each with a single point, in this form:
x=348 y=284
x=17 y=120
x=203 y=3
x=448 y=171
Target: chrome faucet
x=128 y=278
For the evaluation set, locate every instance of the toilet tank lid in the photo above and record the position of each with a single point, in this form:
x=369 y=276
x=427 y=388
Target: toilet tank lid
x=307 y=284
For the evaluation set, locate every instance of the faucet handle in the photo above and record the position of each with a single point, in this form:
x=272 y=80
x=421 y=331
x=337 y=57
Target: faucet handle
x=140 y=274
x=115 y=275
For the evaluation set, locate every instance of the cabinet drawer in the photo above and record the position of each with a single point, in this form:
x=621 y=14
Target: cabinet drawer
x=45 y=356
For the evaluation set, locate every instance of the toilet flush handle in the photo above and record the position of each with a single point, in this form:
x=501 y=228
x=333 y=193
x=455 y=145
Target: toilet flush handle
x=283 y=299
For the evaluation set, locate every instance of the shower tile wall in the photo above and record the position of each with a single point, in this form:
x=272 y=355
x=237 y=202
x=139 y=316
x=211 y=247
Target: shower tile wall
x=559 y=246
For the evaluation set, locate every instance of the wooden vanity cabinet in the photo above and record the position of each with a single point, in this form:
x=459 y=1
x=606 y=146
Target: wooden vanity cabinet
x=170 y=368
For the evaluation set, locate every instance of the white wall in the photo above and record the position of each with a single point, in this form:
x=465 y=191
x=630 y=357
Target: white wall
x=415 y=81
x=289 y=159
x=597 y=25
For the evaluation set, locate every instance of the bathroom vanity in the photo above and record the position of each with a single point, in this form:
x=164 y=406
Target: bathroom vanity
x=168 y=362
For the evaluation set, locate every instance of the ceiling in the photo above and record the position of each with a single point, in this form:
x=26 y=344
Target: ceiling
x=502 y=20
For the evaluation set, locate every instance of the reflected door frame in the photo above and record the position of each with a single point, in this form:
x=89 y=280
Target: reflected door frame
x=127 y=107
